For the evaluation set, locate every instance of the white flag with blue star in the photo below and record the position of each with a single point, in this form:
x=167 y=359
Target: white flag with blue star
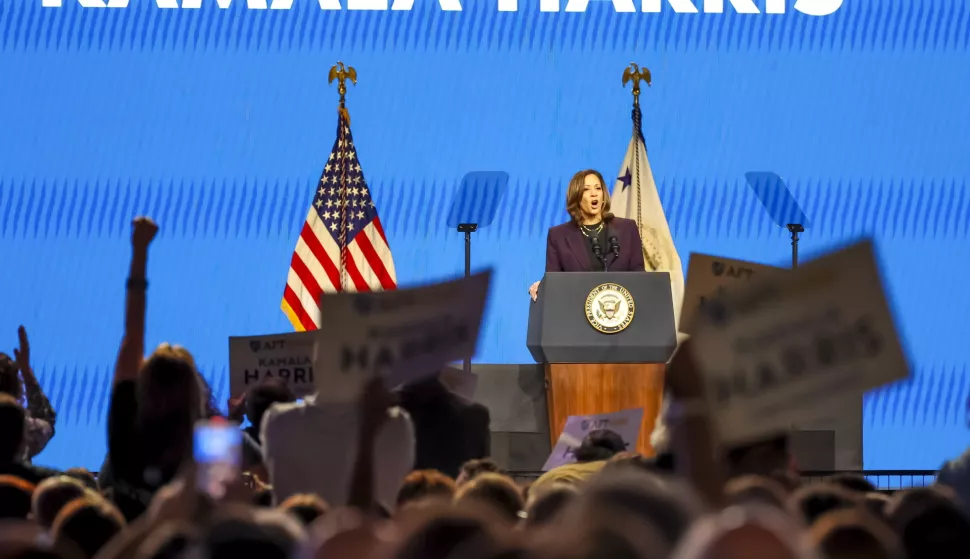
x=635 y=197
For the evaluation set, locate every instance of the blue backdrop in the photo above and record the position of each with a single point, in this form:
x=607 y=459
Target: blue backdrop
x=217 y=121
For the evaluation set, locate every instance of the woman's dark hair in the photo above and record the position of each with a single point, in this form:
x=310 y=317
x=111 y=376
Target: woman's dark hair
x=574 y=195
x=170 y=401
x=600 y=444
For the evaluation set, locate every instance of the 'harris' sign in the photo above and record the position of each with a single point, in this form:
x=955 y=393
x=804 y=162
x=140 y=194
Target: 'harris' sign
x=808 y=7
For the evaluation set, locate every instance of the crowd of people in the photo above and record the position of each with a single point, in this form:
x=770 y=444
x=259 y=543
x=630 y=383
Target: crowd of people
x=406 y=474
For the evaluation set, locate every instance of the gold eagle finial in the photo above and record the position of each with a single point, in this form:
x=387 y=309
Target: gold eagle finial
x=636 y=74
x=342 y=73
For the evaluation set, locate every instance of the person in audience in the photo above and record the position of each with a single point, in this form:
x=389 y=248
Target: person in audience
x=755 y=490
x=425 y=484
x=583 y=533
x=306 y=508
x=597 y=447
x=955 y=474
x=23 y=539
x=155 y=403
x=745 y=533
x=541 y=510
x=449 y=430
x=809 y=503
x=854 y=534
x=878 y=505
x=669 y=506
x=89 y=523
x=260 y=398
x=171 y=540
x=661 y=464
x=12 y=460
x=262 y=533
x=302 y=441
x=475 y=467
x=17 y=380
x=51 y=495
x=84 y=476
x=762 y=458
x=852 y=482
x=452 y=533
x=496 y=491
x=15 y=496
x=931 y=524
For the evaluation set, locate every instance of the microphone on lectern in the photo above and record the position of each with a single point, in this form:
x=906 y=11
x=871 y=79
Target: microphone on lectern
x=615 y=246
x=597 y=249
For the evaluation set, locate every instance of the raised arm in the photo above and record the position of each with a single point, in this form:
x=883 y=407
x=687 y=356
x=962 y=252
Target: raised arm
x=132 y=349
x=38 y=406
x=41 y=415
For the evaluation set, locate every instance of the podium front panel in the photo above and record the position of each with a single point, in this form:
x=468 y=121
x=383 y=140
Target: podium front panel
x=559 y=331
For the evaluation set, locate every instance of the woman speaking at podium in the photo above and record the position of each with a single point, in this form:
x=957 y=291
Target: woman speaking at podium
x=593 y=240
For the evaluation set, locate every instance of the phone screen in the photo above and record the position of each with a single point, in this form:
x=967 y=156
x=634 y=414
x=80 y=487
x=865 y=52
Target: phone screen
x=218 y=456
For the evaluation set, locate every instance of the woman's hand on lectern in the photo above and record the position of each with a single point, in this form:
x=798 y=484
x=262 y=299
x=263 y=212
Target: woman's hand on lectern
x=534 y=291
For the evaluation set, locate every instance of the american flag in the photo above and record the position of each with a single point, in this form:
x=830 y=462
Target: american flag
x=342 y=215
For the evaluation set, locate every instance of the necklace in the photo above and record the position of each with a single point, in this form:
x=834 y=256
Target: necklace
x=588 y=230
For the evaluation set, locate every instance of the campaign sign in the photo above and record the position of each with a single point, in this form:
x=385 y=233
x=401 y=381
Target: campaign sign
x=790 y=348
x=625 y=423
x=709 y=277
x=288 y=357
x=402 y=335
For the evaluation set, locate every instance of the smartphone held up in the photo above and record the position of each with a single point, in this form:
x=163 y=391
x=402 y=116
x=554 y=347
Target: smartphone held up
x=217 y=448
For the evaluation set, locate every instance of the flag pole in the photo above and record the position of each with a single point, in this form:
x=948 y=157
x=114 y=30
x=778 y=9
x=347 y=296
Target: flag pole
x=636 y=74
x=342 y=73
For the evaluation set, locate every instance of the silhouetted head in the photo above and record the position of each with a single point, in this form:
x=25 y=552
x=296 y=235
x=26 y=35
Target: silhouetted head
x=306 y=507
x=931 y=524
x=261 y=397
x=15 y=496
x=855 y=534
x=52 y=495
x=853 y=482
x=496 y=491
x=425 y=484
x=599 y=444
x=756 y=490
x=811 y=502
x=545 y=505
x=89 y=522
x=474 y=468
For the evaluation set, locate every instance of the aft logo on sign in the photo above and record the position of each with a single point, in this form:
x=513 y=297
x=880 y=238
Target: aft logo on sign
x=808 y=7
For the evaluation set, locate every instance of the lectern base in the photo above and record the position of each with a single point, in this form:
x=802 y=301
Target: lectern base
x=583 y=389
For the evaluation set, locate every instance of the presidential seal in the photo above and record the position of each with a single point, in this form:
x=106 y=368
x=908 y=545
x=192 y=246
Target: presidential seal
x=609 y=308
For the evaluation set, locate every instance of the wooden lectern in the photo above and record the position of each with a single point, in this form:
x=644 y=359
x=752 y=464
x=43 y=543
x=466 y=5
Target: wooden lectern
x=588 y=371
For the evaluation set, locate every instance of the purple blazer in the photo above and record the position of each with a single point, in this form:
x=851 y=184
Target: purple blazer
x=566 y=249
